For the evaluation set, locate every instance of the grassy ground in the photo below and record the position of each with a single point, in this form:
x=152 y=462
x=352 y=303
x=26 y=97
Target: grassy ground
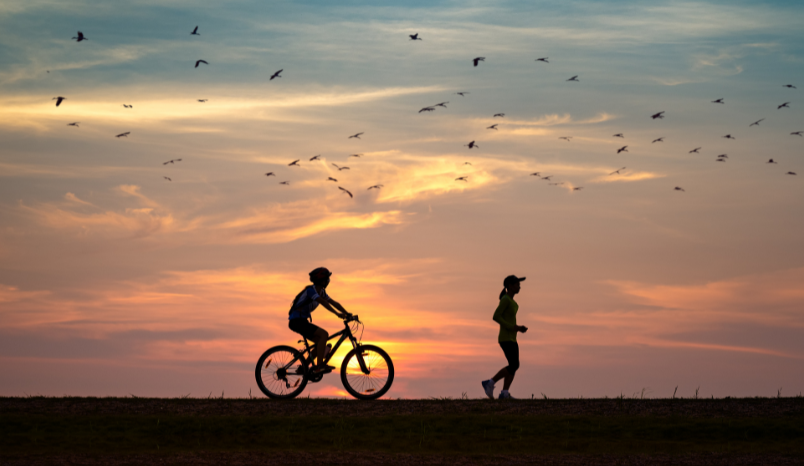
x=107 y=430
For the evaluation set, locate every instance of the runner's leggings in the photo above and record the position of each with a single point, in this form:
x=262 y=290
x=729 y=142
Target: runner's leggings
x=511 y=350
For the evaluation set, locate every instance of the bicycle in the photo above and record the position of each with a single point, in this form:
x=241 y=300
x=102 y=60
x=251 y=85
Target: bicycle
x=367 y=371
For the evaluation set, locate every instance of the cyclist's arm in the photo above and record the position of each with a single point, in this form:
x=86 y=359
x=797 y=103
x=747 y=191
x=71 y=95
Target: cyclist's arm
x=338 y=306
x=329 y=307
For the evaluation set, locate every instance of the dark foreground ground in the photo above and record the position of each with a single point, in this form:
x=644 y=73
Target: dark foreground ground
x=140 y=431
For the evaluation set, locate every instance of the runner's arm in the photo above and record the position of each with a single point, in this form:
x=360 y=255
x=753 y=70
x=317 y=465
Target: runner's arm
x=498 y=317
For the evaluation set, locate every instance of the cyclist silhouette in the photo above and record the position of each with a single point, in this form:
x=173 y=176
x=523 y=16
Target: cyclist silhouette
x=300 y=318
x=505 y=315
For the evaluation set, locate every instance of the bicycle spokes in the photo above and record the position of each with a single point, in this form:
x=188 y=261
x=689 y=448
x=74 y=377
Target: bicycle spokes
x=282 y=372
x=371 y=377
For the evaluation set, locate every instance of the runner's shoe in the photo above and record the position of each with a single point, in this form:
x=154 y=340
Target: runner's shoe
x=488 y=387
x=506 y=396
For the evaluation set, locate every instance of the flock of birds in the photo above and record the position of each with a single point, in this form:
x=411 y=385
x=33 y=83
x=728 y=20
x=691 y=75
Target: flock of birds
x=472 y=144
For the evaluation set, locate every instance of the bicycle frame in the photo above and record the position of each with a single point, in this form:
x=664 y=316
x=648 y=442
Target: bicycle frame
x=344 y=334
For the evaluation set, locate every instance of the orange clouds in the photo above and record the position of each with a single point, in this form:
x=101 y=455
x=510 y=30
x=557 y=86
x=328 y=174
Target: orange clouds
x=147 y=219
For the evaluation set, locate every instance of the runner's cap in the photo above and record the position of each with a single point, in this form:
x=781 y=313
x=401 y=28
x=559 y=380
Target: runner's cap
x=511 y=279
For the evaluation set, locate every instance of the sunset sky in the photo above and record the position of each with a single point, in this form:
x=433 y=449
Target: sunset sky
x=117 y=281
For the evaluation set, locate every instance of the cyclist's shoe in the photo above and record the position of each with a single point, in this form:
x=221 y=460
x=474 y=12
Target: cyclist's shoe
x=323 y=369
x=488 y=387
x=506 y=396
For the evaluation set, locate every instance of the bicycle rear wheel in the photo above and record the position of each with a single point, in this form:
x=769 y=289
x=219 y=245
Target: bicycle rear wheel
x=374 y=384
x=277 y=377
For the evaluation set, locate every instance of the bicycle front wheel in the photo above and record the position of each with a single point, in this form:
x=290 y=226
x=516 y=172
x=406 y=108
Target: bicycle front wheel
x=281 y=373
x=371 y=385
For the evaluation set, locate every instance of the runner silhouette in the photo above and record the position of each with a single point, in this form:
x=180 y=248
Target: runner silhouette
x=505 y=315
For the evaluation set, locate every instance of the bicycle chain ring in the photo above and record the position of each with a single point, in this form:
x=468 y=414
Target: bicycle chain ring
x=315 y=377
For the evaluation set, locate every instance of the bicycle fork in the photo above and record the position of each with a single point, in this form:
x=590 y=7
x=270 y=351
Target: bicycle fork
x=360 y=361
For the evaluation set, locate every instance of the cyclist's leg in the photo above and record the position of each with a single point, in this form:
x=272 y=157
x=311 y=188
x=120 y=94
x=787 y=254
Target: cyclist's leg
x=320 y=337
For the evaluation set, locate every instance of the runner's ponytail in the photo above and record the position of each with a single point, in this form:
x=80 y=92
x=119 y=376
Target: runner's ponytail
x=502 y=293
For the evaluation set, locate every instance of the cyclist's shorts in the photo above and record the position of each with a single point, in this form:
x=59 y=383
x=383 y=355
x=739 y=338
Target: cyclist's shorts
x=303 y=327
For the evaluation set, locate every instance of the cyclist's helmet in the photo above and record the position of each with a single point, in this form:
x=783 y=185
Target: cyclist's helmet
x=319 y=275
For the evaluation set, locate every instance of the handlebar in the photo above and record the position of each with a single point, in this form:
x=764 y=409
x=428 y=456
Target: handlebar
x=352 y=318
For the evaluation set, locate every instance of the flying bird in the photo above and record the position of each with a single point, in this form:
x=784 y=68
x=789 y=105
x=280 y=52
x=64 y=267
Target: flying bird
x=376 y=186
x=462 y=94
x=80 y=37
x=294 y=163
x=771 y=161
x=784 y=105
x=723 y=156
x=331 y=179
x=556 y=184
x=427 y=109
x=659 y=115
x=270 y=174
x=535 y=174
x=355 y=155
x=467 y=163
x=472 y=145
x=499 y=115
x=171 y=161
x=574 y=78
x=128 y=106
x=75 y=123
x=415 y=36
x=789 y=86
x=462 y=178
x=658 y=140
x=616 y=172
x=622 y=149
x=478 y=59
x=285 y=182
x=566 y=137
x=200 y=61
x=357 y=136
x=729 y=136
x=165 y=177
x=492 y=127
x=721 y=160
x=756 y=123
x=619 y=135
x=577 y=188
x=58 y=100
x=123 y=135
x=548 y=177
x=202 y=100
x=340 y=168
x=315 y=157
x=797 y=133
x=346 y=191
x=791 y=173
x=195 y=32
x=678 y=188
x=718 y=101
x=695 y=151
x=442 y=104
x=276 y=75
x=544 y=59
